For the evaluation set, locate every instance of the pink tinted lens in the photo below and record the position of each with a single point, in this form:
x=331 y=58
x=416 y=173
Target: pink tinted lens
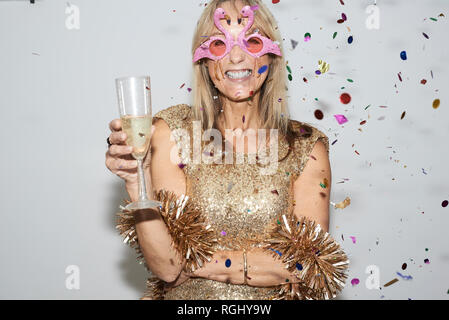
x=255 y=45
x=217 y=48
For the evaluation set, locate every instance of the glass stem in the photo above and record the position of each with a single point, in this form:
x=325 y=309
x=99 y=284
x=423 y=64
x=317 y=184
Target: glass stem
x=141 y=179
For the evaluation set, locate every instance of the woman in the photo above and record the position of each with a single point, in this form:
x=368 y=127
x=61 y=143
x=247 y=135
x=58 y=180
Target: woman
x=247 y=230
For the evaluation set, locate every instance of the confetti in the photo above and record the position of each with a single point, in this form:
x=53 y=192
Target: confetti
x=355 y=281
x=350 y=39
x=323 y=66
x=263 y=69
x=275 y=1
x=404 y=55
x=350 y=80
x=334 y=35
x=404 y=266
x=275 y=192
x=391 y=282
x=307 y=37
x=444 y=203
x=298 y=266
x=402 y=115
x=243 y=119
x=288 y=69
x=426 y=261
x=423 y=81
x=294 y=43
x=353 y=239
x=404 y=276
x=340 y=118
x=319 y=114
x=436 y=103
x=290 y=78
x=223 y=233
x=425 y=35
x=345 y=98
x=181 y=165
x=228 y=263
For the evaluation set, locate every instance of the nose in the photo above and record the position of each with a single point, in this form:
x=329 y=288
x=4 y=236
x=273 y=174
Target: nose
x=236 y=55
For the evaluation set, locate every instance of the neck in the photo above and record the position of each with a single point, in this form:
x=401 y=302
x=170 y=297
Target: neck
x=240 y=114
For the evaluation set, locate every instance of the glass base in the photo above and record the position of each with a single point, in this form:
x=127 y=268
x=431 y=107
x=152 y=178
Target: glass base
x=146 y=204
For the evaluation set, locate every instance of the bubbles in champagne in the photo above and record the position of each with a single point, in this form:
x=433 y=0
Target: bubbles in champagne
x=138 y=131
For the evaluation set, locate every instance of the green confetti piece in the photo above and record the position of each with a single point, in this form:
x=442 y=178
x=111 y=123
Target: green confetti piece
x=368 y=106
x=342 y=88
x=290 y=77
x=322 y=185
x=433 y=19
x=289 y=70
x=335 y=34
x=316 y=99
x=350 y=80
x=278 y=222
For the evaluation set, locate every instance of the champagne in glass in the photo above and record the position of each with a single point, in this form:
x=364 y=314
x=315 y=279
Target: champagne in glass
x=134 y=101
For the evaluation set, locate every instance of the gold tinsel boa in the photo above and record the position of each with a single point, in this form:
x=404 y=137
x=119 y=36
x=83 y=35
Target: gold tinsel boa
x=191 y=236
x=311 y=254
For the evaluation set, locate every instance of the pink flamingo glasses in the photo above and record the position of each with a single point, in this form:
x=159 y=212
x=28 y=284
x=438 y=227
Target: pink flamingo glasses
x=255 y=44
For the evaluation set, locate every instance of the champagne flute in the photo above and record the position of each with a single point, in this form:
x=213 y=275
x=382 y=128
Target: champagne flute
x=134 y=102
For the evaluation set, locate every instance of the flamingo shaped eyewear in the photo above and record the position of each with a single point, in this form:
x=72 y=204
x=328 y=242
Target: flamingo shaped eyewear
x=255 y=44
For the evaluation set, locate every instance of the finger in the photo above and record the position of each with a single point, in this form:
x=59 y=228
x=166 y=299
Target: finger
x=125 y=164
x=115 y=125
x=117 y=138
x=120 y=150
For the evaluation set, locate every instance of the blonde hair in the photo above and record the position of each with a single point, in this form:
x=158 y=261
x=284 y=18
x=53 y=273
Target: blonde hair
x=273 y=109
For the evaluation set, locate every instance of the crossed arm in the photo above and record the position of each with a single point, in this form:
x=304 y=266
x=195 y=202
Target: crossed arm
x=310 y=198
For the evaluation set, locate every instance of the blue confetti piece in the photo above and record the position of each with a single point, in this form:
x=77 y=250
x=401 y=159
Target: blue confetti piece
x=263 y=69
x=423 y=171
x=350 y=39
x=299 y=266
x=228 y=263
x=404 y=55
x=404 y=276
x=277 y=251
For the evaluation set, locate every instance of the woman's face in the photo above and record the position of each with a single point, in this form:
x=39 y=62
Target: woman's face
x=236 y=75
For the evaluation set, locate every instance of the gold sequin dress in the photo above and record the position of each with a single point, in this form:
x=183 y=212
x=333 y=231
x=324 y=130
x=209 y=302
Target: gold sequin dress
x=238 y=201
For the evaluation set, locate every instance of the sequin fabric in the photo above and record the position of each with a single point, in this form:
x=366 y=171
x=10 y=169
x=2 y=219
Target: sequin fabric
x=239 y=200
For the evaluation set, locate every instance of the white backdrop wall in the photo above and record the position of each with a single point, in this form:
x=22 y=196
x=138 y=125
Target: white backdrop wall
x=58 y=200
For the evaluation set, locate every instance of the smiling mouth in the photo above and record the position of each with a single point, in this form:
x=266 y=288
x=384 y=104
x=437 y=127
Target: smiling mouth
x=239 y=74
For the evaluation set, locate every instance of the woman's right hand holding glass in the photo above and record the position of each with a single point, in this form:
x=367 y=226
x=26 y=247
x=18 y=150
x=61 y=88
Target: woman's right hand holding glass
x=119 y=159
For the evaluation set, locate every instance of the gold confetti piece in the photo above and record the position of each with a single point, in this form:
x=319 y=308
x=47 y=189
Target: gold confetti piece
x=324 y=66
x=343 y=204
x=403 y=115
x=391 y=282
x=436 y=103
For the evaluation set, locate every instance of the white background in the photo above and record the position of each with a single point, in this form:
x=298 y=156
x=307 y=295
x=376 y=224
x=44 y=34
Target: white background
x=57 y=96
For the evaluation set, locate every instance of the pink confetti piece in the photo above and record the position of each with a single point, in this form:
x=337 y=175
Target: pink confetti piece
x=355 y=281
x=353 y=239
x=340 y=118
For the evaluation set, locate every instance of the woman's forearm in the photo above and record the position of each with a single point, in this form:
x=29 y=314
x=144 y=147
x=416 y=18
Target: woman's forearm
x=155 y=241
x=263 y=269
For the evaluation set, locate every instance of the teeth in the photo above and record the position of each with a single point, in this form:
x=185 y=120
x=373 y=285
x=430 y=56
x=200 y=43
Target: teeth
x=238 y=74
